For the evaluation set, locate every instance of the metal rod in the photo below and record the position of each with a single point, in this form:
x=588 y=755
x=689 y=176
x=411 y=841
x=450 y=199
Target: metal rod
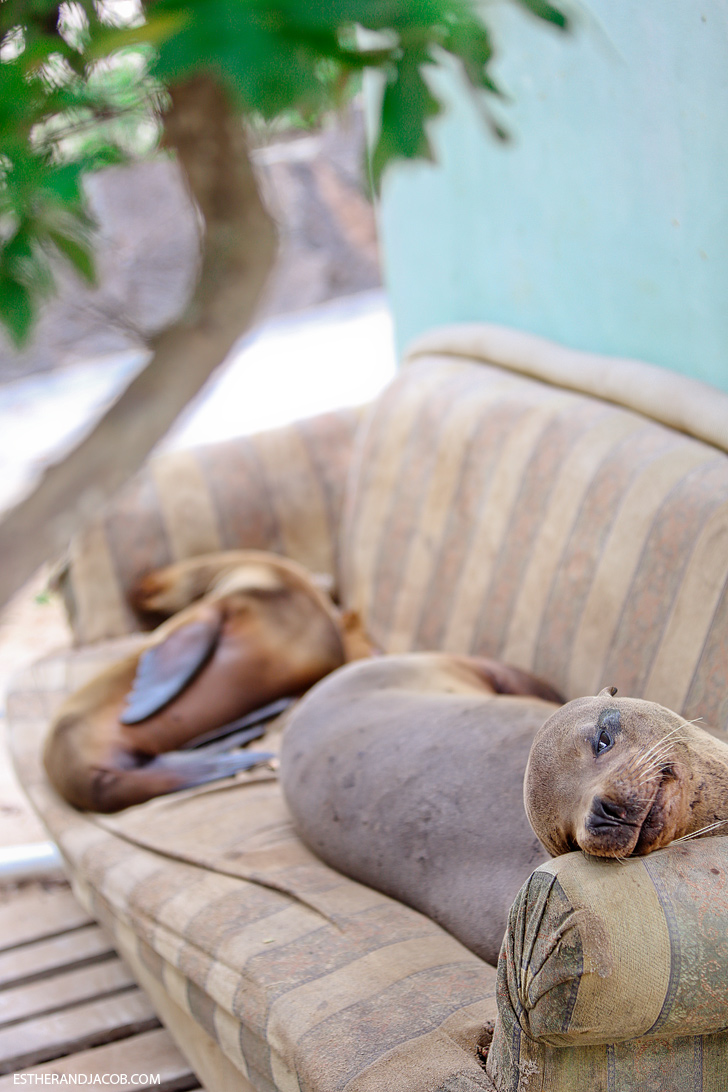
x=37 y=861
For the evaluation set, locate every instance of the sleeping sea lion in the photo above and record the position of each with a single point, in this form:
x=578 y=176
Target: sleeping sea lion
x=262 y=630
x=406 y=773
x=620 y=776
x=166 y=591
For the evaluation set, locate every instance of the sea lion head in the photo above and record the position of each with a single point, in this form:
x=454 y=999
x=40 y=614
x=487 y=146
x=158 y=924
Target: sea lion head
x=611 y=776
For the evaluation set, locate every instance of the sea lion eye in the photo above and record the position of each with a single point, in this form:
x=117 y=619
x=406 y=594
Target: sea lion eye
x=603 y=741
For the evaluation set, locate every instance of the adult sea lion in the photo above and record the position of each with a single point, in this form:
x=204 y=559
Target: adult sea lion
x=261 y=630
x=407 y=774
x=622 y=776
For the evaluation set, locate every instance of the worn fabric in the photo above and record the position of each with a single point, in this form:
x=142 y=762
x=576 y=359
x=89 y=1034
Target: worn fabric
x=489 y=513
x=306 y=980
x=609 y=959
x=281 y=491
x=676 y=400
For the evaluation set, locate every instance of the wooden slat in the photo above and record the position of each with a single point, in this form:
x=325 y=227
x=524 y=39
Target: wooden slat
x=68 y=988
x=36 y=916
x=74 y=1029
x=152 y=1053
x=46 y=957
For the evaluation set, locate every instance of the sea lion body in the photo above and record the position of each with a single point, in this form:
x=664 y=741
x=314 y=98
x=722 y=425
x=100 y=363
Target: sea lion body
x=410 y=774
x=262 y=630
x=406 y=774
x=621 y=776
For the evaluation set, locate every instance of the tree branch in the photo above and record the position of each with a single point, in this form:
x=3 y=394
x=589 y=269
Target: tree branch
x=239 y=251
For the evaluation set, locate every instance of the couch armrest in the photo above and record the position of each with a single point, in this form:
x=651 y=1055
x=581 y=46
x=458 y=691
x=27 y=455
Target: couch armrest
x=612 y=959
x=281 y=490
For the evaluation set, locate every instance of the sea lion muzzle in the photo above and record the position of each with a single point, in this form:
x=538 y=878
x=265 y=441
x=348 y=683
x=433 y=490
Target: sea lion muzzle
x=618 y=777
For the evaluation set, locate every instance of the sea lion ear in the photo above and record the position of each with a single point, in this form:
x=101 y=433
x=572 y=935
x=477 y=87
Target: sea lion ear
x=607 y=692
x=165 y=669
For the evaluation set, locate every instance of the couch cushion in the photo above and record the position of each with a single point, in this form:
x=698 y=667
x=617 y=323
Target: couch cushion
x=305 y=979
x=492 y=513
x=280 y=490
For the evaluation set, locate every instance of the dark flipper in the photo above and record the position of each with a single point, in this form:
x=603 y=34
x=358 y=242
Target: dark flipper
x=241 y=731
x=164 y=670
x=197 y=769
x=121 y=786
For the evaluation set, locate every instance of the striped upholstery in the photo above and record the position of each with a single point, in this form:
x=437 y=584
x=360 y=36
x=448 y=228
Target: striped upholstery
x=280 y=490
x=304 y=979
x=626 y=965
x=491 y=513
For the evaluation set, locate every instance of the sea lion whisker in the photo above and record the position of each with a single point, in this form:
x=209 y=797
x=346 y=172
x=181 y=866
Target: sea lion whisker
x=656 y=763
x=656 y=766
x=650 y=764
x=702 y=830
x=664 y=739
x=654 y=757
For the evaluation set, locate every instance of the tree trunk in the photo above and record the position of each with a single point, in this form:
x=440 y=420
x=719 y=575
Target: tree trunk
x=239 y=250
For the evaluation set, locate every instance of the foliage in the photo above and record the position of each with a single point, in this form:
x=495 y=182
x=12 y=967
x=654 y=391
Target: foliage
x=82 y=84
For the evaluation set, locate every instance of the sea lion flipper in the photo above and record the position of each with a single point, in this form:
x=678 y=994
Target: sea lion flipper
x=196 y=768
x=165 y=669
x=115 y=787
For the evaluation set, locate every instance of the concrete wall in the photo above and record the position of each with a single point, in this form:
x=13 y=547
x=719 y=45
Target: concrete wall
x=604 y=223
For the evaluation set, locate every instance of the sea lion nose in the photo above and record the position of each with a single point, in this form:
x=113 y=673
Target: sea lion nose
x=605 y=813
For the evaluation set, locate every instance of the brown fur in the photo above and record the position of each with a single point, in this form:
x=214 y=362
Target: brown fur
x=278 y=634
x=406 y=773
x=659 y=779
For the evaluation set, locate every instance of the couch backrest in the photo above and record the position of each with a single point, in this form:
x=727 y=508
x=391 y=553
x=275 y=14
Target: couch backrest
x=493 y=513
x=280 y=490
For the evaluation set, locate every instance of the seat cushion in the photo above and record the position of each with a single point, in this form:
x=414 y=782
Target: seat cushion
x=305 y=980
x=491 y=513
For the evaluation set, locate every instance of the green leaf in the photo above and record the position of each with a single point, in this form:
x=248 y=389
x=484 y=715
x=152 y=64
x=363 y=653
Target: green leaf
x=543 y=10
x=372 y=14
x=16 y=309
x=78 y=252
x=157 y=28
x=64 y=184
x=254 y=57
x=17 y=251
x=406 y=105
x=470 y=42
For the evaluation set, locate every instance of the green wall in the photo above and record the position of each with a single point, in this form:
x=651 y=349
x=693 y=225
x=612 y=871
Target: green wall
x=604 y=223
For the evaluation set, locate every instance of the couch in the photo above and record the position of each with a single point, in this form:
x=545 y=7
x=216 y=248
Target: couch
x=565 y=512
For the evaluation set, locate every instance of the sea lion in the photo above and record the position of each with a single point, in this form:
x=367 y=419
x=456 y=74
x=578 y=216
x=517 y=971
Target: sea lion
x=618 y=777
x=165 y=591
x=262 y=630
x=406 y=773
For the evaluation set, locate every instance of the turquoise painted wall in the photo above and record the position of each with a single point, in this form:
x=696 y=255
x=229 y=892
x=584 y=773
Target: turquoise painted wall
x=604 y=223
